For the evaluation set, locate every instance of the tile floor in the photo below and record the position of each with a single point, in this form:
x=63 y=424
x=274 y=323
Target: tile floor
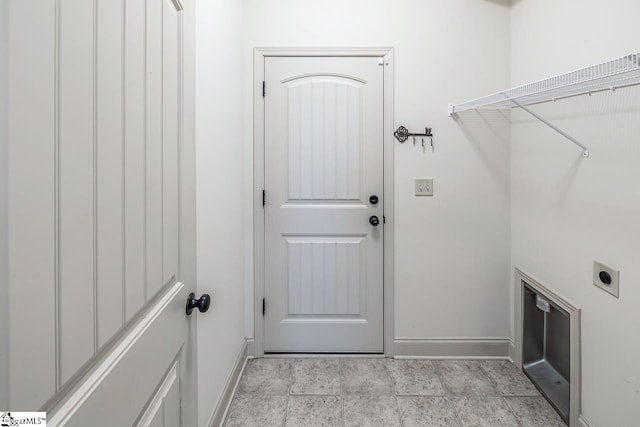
x=387 y=392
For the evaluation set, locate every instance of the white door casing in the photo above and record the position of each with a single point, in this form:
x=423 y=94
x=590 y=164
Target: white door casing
x=102 y=211
x=323 y=160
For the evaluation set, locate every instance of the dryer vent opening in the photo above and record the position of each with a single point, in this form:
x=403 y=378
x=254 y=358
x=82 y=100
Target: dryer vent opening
x=546 y=357
x=547 y=344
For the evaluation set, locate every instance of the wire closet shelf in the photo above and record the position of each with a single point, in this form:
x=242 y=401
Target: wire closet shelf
x=611 y=75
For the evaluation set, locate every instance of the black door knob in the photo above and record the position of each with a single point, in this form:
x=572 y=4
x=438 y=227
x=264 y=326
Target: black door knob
x=373 y=200
x=201 y=304
x=373 y=220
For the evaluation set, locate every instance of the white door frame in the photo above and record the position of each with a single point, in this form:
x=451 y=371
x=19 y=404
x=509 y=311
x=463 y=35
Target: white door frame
x=259 y=55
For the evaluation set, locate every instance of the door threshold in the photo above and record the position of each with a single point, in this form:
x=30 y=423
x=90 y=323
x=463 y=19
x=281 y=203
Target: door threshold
x=325 y=355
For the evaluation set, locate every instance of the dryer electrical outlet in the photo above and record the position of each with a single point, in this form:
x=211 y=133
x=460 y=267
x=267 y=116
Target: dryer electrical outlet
x=606 y=278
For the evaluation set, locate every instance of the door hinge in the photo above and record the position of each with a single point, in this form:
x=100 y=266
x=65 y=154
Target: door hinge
x=264 y=198
x=264 y=306
x=264 y=88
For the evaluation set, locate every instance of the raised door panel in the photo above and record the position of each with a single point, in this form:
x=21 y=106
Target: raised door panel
x=163 y=410
x=325 y=277
x=323 y=130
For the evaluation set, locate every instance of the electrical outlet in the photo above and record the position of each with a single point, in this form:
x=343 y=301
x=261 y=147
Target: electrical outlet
x=606 y=278
x=424 y=186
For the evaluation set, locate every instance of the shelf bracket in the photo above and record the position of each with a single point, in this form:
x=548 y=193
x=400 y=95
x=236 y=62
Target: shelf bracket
x=585 y=150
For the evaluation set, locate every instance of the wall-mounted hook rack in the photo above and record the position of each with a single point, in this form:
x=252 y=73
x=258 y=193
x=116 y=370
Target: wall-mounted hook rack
x=402 y=134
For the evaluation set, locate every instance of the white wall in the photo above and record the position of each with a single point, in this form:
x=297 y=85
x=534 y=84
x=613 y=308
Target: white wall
x=452 y=250
x=219 y=195
x=4 y=254
x=568 y=211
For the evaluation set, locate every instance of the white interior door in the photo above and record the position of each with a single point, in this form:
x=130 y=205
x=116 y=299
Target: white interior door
x=102 y=211
x=323 y=162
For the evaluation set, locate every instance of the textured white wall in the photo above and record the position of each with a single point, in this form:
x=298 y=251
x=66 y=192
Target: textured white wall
x=4 y=254
x=452 y=250
x=219 y=194
x=568 y=211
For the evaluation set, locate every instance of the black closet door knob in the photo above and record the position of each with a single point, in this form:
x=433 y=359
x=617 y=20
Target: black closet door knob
x=201 y=304
x=373 y=200
x=373 y=220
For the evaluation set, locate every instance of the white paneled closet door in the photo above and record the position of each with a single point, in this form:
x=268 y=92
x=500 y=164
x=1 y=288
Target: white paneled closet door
x=102 y=211
x=323 y=228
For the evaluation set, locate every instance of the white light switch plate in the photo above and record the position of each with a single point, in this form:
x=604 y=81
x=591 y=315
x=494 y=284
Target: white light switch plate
x=424 y=186
x=614 y=277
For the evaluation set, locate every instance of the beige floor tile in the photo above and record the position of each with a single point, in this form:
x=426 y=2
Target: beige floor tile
x=464 y=377
x=266 y=377
x=508 y=378
x=314 y=411
x=316 y=376
x=251 y=410
x=483 y=412
x=424 y=411
x=365 y=377
x=371 y=411
x=415 y=377
x=386 y=392
x=534 y=412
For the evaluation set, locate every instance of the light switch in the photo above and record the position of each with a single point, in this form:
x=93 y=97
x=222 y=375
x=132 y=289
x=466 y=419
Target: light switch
x=424 y=186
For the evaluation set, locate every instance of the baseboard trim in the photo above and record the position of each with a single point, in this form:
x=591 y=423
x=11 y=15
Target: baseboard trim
x=251 y=348
x=450 y=348
x=582 y=422
x=219 y=414
x=512 y=351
